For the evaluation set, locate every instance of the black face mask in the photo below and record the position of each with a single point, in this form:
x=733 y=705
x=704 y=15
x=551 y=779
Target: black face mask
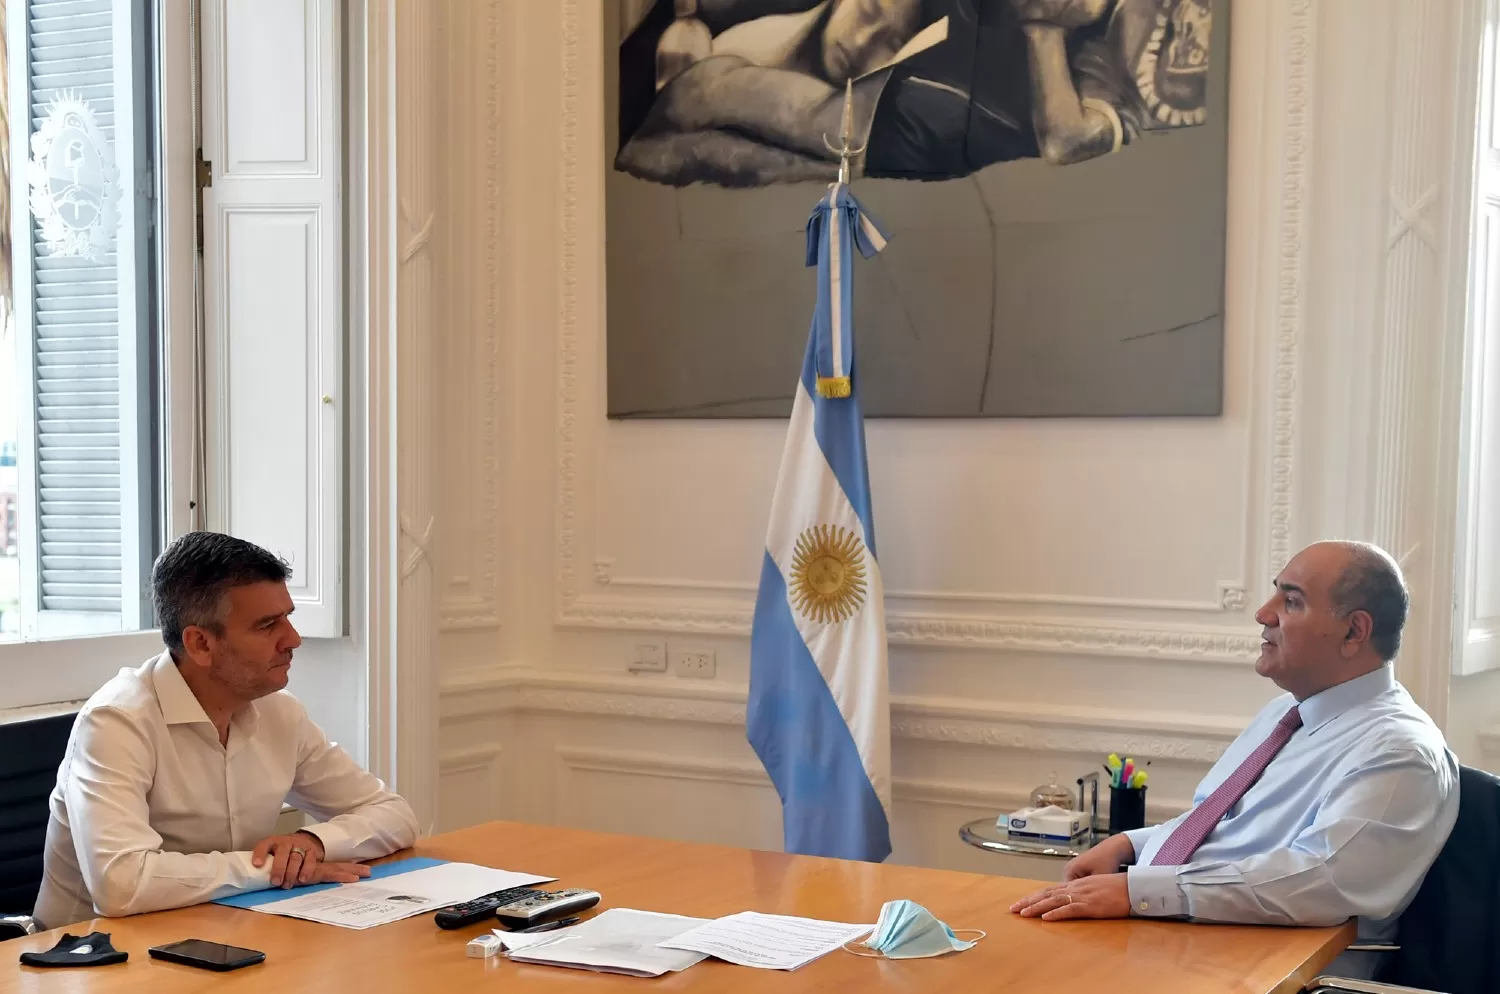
x=74 y=950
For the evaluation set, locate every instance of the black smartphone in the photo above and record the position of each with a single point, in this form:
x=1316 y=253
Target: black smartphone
x=208 y=955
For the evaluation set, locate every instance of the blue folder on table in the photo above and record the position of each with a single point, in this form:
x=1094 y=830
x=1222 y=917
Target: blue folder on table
x=255 y=898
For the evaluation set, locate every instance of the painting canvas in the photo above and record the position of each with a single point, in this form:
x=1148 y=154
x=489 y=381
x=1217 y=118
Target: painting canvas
x=1052 y=175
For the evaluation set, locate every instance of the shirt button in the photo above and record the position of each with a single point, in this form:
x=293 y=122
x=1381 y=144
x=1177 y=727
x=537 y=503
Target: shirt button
x=1145 y=905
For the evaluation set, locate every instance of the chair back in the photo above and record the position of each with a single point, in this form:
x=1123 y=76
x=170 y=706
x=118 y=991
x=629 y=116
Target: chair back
x=1448 y=935
x=30 y=753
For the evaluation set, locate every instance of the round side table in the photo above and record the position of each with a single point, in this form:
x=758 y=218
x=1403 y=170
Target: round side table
x=982 y=834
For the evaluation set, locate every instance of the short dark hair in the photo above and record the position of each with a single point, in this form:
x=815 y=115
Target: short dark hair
x=190 y=578
x=1372 y=582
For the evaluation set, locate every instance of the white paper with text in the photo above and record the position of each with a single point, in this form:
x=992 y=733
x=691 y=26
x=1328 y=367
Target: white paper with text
x=768 y=942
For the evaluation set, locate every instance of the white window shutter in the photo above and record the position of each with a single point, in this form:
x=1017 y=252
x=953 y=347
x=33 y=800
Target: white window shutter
x=1478 y=603
x=86 y=480
x=272 y=256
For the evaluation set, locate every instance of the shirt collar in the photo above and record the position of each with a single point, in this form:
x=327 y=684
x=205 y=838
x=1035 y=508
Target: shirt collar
x=179 y=705
x=1321 y=708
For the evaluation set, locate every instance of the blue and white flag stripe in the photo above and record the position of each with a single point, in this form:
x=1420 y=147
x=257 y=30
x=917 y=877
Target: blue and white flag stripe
x=819 y=713
x=833 y=292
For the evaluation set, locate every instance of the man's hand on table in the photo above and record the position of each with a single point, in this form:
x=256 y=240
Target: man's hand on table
x=1102 y=895
x=297 y=859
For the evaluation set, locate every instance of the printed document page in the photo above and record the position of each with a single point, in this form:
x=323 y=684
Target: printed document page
x=392 y=898
x=770 y=942
x=618 y=940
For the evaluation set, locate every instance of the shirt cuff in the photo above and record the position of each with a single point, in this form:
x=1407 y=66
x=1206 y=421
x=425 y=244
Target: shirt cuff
x=1154 y=892
x=249 y=876
x=336 y=845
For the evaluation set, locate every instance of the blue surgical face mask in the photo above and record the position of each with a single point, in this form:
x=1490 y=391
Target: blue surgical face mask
x=906 y=930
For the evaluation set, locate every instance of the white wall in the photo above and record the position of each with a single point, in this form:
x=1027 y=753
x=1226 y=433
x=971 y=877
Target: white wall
x=1056 y=589
x=1474 y=720
x=328 y=676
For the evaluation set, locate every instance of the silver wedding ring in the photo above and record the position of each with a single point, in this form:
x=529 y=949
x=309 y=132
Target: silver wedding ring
x=299 y=852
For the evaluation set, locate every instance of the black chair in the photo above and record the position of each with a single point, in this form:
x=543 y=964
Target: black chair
x=1448 y=940
x=30 y=753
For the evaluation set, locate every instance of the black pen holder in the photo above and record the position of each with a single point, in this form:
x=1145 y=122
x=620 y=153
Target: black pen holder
x=1127 y=809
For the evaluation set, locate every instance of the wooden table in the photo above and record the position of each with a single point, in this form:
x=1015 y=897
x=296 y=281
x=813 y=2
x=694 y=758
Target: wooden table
x=1020 y=956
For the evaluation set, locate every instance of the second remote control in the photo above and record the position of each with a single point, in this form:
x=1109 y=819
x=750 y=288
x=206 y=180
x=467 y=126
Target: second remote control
x=541 y=905
x=481 y=908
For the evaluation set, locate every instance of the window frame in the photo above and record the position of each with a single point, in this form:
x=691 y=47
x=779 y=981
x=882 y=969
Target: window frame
x=1477 y=635
x=50 y=670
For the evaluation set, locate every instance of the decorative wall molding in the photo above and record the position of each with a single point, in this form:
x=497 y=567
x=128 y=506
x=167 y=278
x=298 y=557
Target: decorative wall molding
x=414 y=187
x=981 y=797
x=470 y=786
x=1193 y=644
x=1290 y=274
x=665 y=765
x=1206 y=645
x=689 y=606
x=1061 y=729
x=567 y=319
x=1033 y=727
x=470 y=599
x=469 y=760
x=1415 y=419
x=1230 y=596
x=377 y=584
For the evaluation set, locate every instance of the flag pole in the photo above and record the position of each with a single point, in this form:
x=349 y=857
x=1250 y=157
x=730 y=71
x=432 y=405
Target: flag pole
x=845 y=149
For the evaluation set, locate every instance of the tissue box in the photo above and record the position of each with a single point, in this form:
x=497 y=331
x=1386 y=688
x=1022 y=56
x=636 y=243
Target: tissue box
x=1050 y=823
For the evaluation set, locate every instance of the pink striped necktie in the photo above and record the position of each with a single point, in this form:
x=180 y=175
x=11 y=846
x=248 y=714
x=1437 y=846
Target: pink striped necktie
x=1188 y=836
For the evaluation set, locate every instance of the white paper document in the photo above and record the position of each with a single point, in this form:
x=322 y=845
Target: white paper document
x=618 y=940
x=770 y=942
x=401 y=895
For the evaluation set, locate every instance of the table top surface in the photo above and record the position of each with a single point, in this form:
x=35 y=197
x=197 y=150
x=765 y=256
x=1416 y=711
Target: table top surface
x=1019 y=956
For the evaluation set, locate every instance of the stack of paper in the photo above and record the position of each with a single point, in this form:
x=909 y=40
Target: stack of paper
x=618 y=940
x=770 y=942
x=394 y=891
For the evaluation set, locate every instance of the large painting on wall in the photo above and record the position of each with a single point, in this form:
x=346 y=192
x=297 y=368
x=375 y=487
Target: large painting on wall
x=1052 y=174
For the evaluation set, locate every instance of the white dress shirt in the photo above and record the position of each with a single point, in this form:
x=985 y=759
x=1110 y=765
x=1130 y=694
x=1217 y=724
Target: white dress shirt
x=1342 y=824
x=151 y=812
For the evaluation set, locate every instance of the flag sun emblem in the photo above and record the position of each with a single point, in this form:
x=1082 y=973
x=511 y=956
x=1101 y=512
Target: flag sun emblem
x=828 y=574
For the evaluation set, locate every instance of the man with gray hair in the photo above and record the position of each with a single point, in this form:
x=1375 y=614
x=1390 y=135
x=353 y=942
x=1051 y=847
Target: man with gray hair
x=176 y=772
x=1331 y=805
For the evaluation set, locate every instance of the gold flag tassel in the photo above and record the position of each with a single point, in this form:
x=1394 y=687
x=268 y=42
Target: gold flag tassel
x=833 y=387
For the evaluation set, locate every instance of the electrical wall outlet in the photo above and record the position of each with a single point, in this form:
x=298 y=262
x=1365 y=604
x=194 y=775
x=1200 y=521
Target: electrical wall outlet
x=697 y=665
x=650 y=657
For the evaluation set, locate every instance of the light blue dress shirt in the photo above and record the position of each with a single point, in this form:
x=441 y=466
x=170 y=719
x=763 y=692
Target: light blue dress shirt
x=1344 y=822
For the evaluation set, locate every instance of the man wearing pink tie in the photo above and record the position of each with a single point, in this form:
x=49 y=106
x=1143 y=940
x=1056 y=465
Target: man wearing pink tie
x=1331 y=805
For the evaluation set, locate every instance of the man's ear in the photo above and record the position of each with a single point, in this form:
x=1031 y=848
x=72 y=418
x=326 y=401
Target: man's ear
x=1361 y=625
x=197 y=645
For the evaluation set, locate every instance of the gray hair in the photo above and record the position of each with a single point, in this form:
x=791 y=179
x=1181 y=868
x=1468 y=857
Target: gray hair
x=190 y=578
x=1372 y=582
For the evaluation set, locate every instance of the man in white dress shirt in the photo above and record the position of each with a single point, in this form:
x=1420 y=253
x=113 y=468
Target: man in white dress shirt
x=1331 y=805
x=176 y=772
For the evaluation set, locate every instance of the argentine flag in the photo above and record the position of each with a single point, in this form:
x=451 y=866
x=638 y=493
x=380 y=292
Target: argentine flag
x=819 y=711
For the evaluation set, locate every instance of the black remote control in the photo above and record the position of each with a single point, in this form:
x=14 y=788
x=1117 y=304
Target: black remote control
x=459 y=915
